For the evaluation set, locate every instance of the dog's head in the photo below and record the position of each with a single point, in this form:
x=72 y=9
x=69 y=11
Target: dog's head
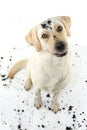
x=51 y=35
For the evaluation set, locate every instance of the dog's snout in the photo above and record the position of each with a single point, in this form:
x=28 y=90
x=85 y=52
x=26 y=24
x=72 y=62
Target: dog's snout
x=60 y=46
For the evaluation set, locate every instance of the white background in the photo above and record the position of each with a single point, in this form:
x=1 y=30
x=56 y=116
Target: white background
x=17 y=17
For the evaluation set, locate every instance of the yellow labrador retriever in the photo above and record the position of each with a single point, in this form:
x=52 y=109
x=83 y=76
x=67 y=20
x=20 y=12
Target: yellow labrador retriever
x=49 y=66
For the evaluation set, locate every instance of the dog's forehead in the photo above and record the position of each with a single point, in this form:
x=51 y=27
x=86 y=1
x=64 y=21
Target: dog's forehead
x=49 y=24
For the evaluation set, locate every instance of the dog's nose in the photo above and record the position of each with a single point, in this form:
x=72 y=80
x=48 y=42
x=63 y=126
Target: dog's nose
x=60 y=46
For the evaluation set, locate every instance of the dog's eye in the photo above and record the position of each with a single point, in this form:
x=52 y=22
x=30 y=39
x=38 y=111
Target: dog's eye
x=45 y=36
x=59 y=28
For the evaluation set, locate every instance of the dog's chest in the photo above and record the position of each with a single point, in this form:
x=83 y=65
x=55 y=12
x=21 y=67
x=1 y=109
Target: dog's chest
x=51 y=75
x=46 y=71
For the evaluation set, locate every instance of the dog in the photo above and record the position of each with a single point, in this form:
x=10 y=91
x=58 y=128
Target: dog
x=49 y=67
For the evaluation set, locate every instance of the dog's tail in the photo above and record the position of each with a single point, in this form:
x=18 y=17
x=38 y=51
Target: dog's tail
x=16 y=67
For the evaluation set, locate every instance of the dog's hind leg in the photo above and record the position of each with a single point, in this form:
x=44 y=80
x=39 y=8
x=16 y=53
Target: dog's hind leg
x=28 y=83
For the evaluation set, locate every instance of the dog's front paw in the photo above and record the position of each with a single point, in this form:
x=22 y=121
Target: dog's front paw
x=55 y=107
x=37 y=103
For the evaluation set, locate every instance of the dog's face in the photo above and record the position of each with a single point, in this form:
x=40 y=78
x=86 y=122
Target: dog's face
x=51 y=35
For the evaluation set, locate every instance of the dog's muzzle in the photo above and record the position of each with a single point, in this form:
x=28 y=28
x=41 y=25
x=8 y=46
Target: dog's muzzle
x=60 y=55
x=61 y=49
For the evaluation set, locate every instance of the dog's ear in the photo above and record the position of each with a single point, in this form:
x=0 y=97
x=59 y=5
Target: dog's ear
x=66 y=22
x=32 y=39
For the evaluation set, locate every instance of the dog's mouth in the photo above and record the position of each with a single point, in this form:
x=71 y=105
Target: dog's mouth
x=61 y=54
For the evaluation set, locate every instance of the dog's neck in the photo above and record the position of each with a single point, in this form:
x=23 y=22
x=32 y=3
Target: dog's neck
x=50 y=58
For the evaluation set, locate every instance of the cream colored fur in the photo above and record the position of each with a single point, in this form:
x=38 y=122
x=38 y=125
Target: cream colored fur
x=46 y=70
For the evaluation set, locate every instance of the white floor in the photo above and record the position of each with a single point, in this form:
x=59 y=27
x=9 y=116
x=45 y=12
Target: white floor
x=16 y=105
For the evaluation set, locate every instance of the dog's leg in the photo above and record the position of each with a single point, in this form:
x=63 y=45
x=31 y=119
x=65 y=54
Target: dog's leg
x=28 y=84
x=58 y=88
x=37 y=101
x=55 y=106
